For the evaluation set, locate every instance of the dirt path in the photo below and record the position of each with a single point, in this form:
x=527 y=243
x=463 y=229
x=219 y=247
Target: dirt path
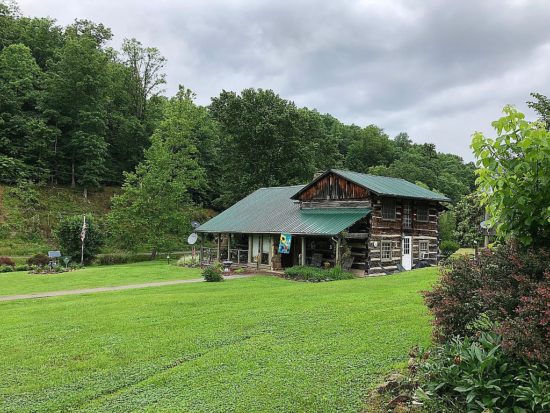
x=102 y=289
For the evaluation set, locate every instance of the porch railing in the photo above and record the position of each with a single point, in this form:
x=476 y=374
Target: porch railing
x=238 y=256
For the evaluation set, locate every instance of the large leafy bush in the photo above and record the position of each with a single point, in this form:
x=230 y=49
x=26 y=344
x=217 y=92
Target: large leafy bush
x=476 y=375
x=449 y=247
x=213 y=273
x=68 y=237
x=514 y=177
x=39 y=260
x=510 y=285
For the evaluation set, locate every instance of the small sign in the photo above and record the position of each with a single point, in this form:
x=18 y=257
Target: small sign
x=54 y=254
x=192 y=238
x=484 y=224
x=284 y=244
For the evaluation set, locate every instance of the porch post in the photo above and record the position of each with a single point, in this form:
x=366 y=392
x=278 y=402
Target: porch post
x=270 y=258
x=228 y=247
x=218 y=252
x=303 y=250
x=249 y=258
x=337 y=261
x=201 y=252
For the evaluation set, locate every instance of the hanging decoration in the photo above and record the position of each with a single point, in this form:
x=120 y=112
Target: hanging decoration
x=284 y=244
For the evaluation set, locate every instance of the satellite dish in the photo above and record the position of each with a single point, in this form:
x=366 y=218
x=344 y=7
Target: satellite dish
x=192 y=238
x=195 y=224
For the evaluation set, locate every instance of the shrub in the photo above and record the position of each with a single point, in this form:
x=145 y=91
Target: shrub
x=476 y=375
x=314 y=274
x=7 y=261
x=68 y=236
x=47 y=270
x=213 y=273
x=119 y=258
x=39 y=260
x=449 y=247
x=511 y=285
x=6 y=268
x=22 y=268
x=188 y=262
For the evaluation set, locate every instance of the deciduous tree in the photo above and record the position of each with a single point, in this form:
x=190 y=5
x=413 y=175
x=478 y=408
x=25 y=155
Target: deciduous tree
x=514 y=177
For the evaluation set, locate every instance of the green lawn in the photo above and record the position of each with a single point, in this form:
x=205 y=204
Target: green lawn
x=21 y=282
x=260 y=344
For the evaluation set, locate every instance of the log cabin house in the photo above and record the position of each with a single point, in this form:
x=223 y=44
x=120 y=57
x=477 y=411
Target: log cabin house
x=373 y=224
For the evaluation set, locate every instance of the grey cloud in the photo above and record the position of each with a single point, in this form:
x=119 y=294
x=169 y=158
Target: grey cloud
x=436 y=69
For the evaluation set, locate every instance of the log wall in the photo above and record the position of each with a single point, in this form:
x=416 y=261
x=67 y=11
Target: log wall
x=393 y=230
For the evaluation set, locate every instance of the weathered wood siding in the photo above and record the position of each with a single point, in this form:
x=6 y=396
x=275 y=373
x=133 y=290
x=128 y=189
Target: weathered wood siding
x=334 y=187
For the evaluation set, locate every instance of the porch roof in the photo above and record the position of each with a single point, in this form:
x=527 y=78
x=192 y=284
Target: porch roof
x=270 y=210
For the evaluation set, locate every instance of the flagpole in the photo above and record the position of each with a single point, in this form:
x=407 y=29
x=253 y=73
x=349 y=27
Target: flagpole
x=82 y=237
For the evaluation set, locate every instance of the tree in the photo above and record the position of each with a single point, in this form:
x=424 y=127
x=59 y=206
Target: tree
x=155 y=208
x=77 y=98
x=514 y=177
x=468 y=214
x=25 y=138
x=265 y=142
x=372 y=148
x=447 y=225
x=542 y=106
x=68 y=236
x=146 y=65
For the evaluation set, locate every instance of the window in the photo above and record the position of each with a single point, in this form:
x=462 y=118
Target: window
x=407 y=221
x=423 y=246
x=385 y=250
x=388 y=209
x=422 y=214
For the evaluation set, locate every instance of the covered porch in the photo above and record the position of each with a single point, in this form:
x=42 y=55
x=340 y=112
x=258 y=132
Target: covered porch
x=348 y=249
x=248 y=233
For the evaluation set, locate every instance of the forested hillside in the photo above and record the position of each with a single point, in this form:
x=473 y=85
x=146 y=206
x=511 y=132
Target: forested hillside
x=75 y=112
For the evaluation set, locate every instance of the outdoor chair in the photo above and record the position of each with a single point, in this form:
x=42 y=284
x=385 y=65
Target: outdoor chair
x=317 y=260
x=347 y=263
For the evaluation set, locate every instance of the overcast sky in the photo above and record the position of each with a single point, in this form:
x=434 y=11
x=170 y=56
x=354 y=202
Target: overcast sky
x=438 y=70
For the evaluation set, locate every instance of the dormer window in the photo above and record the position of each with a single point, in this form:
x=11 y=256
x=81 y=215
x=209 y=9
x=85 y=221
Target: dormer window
x=388 y=209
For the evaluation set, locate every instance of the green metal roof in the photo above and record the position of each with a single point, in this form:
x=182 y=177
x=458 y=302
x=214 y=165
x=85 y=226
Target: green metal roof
x=386 y=186
x=270 y=210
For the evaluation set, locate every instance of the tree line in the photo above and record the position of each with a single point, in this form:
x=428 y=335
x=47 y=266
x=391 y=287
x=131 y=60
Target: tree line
x=72 y=110
x=77 y=112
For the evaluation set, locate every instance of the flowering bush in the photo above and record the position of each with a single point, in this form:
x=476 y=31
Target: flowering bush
x=7 y=261
x=511 y=286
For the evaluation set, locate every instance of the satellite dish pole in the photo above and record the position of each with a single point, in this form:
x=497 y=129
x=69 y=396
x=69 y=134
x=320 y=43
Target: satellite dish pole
x=191 y=240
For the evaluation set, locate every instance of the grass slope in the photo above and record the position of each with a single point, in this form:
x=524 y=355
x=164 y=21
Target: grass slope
x=28 y=215
x=249 y=345
x=21 y=282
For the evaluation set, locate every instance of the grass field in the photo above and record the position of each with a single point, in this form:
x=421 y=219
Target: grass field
x=21 y=282
x=249 y=345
